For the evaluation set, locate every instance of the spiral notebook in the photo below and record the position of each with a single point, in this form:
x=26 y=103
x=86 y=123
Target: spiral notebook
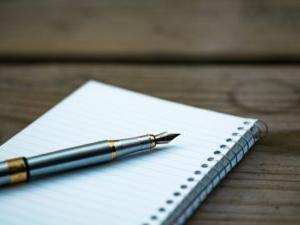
x=160 y=187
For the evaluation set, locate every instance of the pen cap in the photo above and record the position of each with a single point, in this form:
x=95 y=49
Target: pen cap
x=13 y=171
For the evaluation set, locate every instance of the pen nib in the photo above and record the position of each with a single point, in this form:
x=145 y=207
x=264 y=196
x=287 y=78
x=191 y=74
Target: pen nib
x=165 y=137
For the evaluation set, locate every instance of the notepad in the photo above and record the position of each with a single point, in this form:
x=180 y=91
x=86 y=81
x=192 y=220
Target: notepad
x=163 y=186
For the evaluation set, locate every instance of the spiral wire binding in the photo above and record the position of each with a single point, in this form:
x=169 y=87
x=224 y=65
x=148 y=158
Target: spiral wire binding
x=215 y=173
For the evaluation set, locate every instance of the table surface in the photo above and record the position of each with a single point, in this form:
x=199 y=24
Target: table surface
x=239 y=57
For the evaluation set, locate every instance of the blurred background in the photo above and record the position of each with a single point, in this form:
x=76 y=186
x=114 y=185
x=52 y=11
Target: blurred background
x=132 y=30
x=235 y=56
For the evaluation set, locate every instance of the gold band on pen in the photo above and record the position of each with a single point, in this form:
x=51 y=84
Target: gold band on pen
x=152 y=141
x=113 y=148
x=17 y=170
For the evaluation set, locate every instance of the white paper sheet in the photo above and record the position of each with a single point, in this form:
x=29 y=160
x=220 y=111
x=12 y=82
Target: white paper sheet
x=128 y=191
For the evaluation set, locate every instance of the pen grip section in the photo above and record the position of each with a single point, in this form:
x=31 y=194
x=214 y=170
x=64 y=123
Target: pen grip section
x=129 y=146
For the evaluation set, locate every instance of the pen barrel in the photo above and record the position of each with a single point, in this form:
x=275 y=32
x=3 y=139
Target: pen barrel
x=69 y=159
x=21 y=169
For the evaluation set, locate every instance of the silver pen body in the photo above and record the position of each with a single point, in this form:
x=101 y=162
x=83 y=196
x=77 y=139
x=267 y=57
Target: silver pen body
x=22 y=169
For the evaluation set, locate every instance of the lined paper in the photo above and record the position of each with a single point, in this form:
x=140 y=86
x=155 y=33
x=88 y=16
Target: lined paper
x=128 y=191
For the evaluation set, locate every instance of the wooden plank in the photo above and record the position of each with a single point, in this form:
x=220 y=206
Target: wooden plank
x=148 y=30
x=263 y=189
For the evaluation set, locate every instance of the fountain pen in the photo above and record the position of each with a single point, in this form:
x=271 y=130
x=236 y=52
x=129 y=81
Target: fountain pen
x=22 y=169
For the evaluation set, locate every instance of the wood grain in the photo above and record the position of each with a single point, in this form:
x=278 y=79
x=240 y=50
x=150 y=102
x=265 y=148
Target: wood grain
x=263 y=189
x=150 y=30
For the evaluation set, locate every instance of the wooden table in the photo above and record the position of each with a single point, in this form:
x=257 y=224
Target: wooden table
x=237 y=56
